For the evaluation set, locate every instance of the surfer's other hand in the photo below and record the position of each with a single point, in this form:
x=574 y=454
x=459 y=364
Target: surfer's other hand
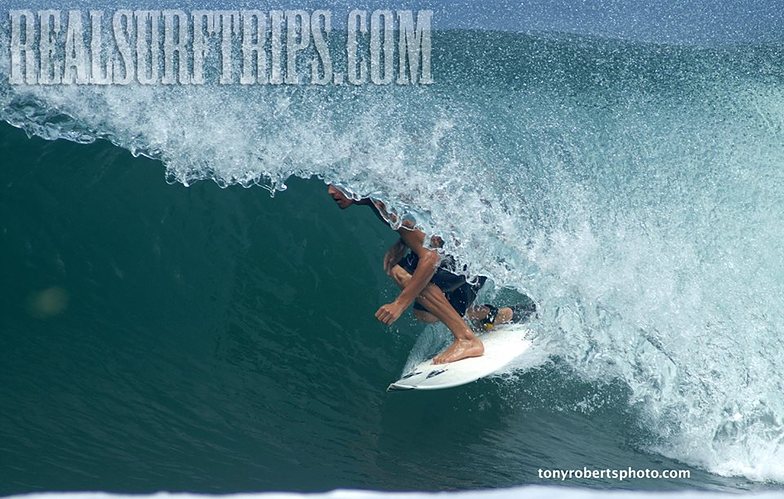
x=389 y=313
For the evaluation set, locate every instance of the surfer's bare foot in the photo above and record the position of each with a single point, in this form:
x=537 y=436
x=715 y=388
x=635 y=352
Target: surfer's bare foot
x=460 y=349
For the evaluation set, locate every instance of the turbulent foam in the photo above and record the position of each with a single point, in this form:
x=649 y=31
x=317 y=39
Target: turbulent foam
x=530 y=492
x=634 y=191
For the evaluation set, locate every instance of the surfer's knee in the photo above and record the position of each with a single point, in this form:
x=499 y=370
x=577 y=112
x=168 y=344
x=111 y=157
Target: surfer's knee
x=400 y=276
x=425 y=316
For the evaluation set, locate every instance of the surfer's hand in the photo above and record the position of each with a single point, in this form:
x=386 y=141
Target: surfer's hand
x=390 y=312
x=393 y=255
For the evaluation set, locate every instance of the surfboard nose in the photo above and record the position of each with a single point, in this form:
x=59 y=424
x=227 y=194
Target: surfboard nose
x=395 y=388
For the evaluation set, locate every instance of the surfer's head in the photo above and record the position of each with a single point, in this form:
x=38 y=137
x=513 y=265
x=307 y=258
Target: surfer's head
x=340 y=197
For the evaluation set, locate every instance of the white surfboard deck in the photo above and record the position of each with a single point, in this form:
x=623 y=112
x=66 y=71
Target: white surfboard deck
x=502 y=345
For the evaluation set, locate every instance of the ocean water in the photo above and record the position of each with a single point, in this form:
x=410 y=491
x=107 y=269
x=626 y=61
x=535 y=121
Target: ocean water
x=167 y=324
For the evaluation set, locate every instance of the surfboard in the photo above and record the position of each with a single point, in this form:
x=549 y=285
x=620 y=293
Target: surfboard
x=502 y=345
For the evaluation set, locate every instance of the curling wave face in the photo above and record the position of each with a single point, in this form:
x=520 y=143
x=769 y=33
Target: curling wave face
x=633 y=190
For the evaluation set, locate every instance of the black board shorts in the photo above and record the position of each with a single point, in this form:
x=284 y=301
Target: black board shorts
x=460 y=293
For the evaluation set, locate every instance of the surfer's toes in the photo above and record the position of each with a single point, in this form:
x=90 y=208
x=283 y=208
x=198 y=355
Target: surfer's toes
x=460 y=349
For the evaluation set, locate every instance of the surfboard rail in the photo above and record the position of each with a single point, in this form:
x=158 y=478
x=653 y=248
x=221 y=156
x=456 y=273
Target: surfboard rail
x=502 y=345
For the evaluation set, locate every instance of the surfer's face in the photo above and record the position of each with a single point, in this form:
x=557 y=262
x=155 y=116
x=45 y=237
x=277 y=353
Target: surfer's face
x=340 y=199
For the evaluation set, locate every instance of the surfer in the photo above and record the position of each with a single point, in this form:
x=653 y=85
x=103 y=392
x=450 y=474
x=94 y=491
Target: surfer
x=429 y=282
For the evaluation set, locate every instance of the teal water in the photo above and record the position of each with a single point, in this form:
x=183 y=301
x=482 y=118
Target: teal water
x=182 y=336
x=218 y=340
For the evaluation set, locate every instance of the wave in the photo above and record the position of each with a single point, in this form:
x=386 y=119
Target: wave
x=633 y=190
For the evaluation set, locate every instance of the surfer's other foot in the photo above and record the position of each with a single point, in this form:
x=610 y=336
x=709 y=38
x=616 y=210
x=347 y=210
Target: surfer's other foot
x=460 y=349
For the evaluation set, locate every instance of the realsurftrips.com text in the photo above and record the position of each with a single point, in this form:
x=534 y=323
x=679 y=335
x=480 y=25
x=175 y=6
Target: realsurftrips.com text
x=246 y=47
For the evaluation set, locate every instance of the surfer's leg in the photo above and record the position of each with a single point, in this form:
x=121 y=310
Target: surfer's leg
x=401 y=276
x=466 y=344
x=425 y=316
